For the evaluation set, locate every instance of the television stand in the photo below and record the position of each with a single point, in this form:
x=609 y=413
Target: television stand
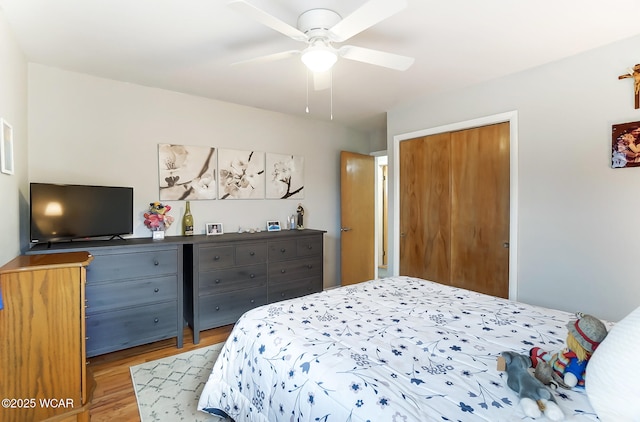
x=117 y=236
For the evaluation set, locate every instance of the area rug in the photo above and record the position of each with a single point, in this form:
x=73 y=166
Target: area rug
x=168 y=389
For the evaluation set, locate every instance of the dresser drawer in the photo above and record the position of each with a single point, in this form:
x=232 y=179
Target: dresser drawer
x=115 y=330
x=214 y=257
x=282 y=250
x=296 y=288
x=223 y=309
x=237 y=278
x=122 y=294
x=309 y=246
x=294 y=270
x=251 y=254
x=122 y=266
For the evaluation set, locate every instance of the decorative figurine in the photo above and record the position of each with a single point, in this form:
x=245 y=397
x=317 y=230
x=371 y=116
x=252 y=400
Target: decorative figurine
x=300 y=212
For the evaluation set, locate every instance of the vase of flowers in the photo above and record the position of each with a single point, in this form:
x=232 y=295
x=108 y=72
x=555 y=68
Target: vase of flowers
x=157 y=219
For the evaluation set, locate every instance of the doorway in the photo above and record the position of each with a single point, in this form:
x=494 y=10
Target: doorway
x=382 y=215
x=364 y=234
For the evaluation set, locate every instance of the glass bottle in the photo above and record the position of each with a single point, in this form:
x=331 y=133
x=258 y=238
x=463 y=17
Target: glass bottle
x=187 y=221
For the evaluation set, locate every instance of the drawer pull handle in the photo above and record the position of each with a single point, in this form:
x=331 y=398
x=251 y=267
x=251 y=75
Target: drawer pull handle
x=283 y=250
x=217 y=281
x=252 y=275
x=215 y=258
x=156 y=320
x=283 y=271
x=156 y=262
x=156 y=290
x=217 y=308
x=252 y=253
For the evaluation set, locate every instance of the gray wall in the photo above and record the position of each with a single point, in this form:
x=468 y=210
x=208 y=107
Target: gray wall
x=13 y=109
x=84 y=129
x=576 y=224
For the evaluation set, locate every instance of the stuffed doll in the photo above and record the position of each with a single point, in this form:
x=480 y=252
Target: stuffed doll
x=535 y=398
x=570 y=364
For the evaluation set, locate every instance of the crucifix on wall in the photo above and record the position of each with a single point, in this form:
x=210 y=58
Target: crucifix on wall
x=635 y=74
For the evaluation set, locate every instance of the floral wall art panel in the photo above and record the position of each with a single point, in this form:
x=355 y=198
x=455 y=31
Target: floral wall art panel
x=187 y=172
x=625 y=145
x=285 y=176
x=240 y=174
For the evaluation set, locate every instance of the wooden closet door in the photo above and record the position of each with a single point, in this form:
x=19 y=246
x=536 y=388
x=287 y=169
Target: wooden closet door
x=425 y=208
x=480 y=209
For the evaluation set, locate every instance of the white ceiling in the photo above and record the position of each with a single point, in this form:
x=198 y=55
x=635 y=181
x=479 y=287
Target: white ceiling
x=189 y=46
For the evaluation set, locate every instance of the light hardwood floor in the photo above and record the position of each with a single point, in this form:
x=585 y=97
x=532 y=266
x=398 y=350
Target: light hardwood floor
x=113 y=397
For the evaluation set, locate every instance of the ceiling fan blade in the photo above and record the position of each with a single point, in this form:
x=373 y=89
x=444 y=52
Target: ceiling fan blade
x=321 y=80
x=266 y=19
x=366 y=16
x=376 y=57
x=269 y=58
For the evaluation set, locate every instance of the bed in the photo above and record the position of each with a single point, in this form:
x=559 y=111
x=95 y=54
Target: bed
x=396 y=349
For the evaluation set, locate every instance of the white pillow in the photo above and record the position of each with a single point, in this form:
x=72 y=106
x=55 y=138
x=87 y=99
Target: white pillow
x=612 y=380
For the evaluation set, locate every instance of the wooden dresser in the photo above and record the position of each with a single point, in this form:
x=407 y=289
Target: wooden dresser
x=42 y=339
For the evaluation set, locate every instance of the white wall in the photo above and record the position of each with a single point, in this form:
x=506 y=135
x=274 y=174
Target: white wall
x=13 y=109
x=84 y=129
x=576 y=215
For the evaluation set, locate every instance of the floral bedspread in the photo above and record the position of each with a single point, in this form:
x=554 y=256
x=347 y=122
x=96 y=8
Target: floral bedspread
x=397 y=349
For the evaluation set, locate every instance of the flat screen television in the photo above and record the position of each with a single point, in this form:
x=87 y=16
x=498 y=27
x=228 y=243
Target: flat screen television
x=68 y=212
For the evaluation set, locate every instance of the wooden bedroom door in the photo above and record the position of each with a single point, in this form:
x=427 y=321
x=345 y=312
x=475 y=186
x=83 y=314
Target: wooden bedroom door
x=357 y=210
x=454 y=208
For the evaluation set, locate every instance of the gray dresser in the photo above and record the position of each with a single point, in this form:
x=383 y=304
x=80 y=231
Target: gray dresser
x=134 y=292
x=141 y=290
x=233 y=273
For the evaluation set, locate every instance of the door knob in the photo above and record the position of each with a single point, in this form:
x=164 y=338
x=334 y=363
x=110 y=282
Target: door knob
x=505 y=245
x=345 y=229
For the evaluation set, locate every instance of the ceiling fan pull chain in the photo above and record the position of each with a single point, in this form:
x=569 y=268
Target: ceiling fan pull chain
x=331 y=86
x=307 y=91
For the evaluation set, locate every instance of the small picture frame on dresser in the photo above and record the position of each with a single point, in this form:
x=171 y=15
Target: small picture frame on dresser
x=273 y=226
x=213 y=229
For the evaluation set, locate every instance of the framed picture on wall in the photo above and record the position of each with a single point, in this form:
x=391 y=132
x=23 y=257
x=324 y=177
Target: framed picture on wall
x=625 y=145
x=6 y=147
x=213 y=229
x=273 y=226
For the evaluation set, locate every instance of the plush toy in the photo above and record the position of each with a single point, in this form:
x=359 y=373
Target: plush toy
x=158 y=208
x=570 y=364
x=535 y=397
x=157 y=218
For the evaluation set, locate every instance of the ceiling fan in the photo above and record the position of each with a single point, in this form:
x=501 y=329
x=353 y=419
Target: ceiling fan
x=319 y=28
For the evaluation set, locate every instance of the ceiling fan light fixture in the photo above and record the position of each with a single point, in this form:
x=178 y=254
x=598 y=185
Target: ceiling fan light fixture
x=319 y=58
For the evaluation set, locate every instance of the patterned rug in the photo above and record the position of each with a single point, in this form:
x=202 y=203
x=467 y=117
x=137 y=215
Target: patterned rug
x=168 y=389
